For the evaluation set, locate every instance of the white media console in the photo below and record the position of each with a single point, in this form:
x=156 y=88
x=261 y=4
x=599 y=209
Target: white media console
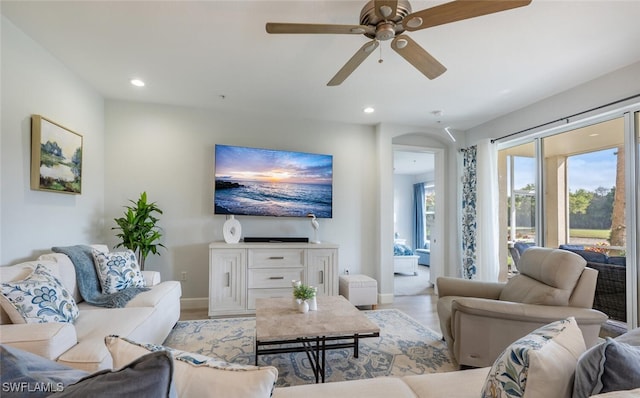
x=239 y=273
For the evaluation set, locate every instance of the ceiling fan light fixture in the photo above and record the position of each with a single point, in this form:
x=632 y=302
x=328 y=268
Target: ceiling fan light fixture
x=401 y=43
x=385 y=11
x=371 y=47
x=414 y=22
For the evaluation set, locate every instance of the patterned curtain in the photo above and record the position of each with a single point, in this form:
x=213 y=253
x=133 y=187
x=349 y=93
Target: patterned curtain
x=469 y=217
x=418 y=203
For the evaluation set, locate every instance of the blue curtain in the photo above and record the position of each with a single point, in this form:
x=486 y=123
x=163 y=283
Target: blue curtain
x=469 y=215
x=418 y=206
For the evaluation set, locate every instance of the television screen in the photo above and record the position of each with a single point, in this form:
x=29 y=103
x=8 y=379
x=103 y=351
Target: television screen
x=266 y=182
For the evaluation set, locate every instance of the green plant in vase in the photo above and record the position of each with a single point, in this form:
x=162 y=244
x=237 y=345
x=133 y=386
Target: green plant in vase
x=304 y=292
x=138 y=229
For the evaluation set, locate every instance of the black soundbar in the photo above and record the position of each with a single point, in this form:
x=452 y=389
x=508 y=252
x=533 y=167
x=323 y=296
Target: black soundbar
x=252 y=239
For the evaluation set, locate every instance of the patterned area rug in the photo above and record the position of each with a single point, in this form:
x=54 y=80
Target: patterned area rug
x=405 y=347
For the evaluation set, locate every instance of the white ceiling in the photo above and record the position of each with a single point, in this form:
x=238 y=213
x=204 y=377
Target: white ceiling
x=413 y=162
x=194 y=53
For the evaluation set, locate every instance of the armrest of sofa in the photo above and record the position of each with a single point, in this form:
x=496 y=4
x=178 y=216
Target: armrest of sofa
x=448 y=286
x=151 y=278
x=48 y=340
x=481 y=329
x=507 y=310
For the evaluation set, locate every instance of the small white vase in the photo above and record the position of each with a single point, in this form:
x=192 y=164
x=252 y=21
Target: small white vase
x=313 y=304
x=231 y=230
x=303 y=306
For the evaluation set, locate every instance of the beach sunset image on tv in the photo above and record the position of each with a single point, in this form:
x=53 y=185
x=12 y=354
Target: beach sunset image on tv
x=266 y=182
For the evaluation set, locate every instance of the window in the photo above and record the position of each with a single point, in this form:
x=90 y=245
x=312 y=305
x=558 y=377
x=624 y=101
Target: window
x=584 y=188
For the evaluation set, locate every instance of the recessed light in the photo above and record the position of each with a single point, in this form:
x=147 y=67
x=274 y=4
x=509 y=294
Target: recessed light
x=594 y=135
x=368 y=110
x=137 y=82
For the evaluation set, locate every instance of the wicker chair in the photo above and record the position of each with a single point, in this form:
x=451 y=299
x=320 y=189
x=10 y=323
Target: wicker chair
x=611 y=290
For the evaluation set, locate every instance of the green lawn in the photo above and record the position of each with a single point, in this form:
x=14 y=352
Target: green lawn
x=590 y=233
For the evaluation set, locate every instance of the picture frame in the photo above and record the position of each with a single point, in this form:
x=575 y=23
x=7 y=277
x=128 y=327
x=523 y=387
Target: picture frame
x=56 y=157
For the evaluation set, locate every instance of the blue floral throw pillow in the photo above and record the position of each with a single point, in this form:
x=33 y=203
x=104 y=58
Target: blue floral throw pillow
x=117 y=271
x=540 y=364
x=40 y=298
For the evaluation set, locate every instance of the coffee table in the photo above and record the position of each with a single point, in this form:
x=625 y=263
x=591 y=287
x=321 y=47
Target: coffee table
x=336 y=324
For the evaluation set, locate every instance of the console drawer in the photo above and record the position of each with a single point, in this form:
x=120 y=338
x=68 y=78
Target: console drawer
x=274 y=277
x=267 y=293
x=270 y=258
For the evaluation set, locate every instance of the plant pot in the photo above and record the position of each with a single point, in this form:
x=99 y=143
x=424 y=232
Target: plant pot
x=303 y=306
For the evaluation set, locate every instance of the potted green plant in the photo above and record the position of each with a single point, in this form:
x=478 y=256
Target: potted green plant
x=304 y=293
x=138 y=229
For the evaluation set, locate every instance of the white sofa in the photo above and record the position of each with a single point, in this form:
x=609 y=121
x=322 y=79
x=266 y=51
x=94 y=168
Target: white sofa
x=149 y=317
x=592 y=368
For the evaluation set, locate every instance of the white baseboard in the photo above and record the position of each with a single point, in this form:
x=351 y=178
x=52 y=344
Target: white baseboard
x=197 y=303
x=385 y=298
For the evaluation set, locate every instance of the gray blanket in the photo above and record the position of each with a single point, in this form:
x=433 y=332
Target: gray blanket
x=88 y=282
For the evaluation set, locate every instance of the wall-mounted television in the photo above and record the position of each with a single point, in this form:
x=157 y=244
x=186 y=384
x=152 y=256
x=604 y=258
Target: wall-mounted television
x=269 y=182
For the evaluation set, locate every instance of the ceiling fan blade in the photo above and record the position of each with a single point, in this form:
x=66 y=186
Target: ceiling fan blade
x=457 y=11
x=417 y=56
x=276 y=27
x=385 y=8
x=353 y=63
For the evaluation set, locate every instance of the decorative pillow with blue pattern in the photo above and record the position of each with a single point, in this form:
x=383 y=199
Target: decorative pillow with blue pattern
x=39 y=298
x=117 y=270
x=540 y=364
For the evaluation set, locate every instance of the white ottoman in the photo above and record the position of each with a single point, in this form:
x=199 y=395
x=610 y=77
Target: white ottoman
x=359 y=289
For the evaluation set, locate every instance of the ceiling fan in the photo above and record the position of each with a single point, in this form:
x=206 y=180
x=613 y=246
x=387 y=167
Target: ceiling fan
x=382 y=20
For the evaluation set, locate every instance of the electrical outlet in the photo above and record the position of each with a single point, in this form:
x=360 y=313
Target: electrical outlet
x=183 y=276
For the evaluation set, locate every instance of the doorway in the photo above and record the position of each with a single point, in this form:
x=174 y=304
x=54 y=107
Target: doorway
x=414 y=219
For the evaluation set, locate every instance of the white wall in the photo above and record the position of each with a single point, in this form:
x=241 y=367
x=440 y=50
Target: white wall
x=34 y=82
x=403 y=207
x=611 y=87
x=167 y=151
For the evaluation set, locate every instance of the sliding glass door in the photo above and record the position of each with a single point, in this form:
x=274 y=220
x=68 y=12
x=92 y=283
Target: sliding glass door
x=578 y=189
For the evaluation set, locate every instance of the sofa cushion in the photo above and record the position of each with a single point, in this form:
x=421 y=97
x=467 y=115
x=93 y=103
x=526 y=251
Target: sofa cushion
x=148 y=376
x=29 y=375
x=547 y=277
x=93 y=326
x=48 y=340
x=117 y=270
x=200 y=376
x=540 y=364
x=379 y=387
x=617 y=260
x=609 y=366
x=464 y=383
x=38 y=298
x=169 y=290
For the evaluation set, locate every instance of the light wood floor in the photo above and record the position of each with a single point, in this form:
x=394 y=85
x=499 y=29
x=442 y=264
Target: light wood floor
x=421 y=308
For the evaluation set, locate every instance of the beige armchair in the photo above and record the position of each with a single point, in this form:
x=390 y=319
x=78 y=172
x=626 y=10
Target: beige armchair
x=480 y=319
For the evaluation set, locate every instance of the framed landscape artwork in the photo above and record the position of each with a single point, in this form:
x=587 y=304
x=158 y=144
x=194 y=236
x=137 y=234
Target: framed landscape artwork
x=56 y=157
